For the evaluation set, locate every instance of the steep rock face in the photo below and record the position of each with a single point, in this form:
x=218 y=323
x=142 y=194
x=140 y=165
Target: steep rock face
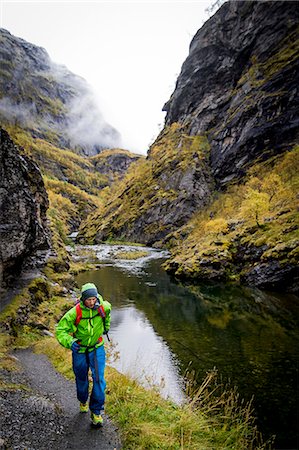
x=48 y=100
x=239 y=85
x=23 y=205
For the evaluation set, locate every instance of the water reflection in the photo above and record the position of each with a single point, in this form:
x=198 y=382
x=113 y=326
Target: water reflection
x=249 y=335
x=143 y=354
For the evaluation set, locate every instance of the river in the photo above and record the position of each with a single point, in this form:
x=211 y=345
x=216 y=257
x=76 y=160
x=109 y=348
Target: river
x=161 y=329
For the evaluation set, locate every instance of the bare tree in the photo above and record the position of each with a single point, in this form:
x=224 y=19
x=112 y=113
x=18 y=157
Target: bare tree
x=214 y=7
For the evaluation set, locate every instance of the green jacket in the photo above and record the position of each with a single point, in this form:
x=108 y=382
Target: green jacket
x=89 y=329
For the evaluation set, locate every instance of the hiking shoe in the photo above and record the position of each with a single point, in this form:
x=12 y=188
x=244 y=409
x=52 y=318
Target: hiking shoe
x=83 y=407
x=96 y=419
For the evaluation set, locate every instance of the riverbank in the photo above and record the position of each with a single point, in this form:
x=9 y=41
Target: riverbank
x=144 y=418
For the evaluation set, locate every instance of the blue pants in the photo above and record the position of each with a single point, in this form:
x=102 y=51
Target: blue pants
x=81 y=363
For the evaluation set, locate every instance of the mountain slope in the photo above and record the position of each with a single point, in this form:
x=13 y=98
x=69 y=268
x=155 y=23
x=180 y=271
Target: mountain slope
x=77 y=185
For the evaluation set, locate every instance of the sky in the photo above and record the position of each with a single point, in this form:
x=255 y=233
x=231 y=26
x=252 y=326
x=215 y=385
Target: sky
x=129 y=52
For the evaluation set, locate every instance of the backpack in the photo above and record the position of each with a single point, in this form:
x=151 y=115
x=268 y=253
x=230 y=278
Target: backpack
x=100 y=310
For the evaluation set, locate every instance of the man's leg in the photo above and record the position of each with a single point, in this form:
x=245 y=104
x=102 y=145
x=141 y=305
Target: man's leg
x=80 y=368
x=97 y=398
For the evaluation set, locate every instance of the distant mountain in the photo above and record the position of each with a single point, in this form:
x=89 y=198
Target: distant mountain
x=48 y=100
x=219 y=183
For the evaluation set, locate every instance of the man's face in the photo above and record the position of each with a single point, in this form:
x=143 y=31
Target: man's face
x=90 y=302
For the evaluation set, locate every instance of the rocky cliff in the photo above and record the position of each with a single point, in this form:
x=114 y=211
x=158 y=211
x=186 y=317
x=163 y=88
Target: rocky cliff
x=232 y=119
x=239 y=85
x=23 y=206
x=48 y=100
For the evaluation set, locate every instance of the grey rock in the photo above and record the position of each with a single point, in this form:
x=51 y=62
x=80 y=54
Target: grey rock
x=23 y=204
x=269 y=275
x=47 y=333
x=224 y=89
x=116 y=162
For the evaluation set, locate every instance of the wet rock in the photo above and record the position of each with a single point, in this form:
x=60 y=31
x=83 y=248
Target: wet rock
x=268 y=275
x=47 y=333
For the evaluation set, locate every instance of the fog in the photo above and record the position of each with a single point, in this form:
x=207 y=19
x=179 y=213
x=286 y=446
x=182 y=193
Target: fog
x=84 y=125
x=49 y=100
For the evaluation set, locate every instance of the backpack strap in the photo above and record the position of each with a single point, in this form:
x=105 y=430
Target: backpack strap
x=78 y=314
x=101 y=311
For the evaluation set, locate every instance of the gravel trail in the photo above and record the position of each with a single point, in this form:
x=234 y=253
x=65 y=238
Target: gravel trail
x=47 y=417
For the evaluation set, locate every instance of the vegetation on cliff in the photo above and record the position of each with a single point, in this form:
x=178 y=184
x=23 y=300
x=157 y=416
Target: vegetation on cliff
x=58 y=163
x=113 y=163
x=252 y=225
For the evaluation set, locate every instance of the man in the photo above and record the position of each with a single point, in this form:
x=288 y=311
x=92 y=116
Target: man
x=81 y=329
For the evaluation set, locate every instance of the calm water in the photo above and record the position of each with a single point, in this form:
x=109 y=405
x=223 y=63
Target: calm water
x=162 y=328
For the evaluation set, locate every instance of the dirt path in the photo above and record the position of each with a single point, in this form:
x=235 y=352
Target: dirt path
x=76 y=431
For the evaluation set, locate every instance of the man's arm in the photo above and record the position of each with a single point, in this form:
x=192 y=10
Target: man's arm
x=65 y=328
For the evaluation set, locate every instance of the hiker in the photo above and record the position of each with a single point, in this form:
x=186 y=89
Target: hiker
x=81 y=329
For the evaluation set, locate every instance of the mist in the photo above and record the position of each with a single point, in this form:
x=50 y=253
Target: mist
x=49 y=101
x=85 y=126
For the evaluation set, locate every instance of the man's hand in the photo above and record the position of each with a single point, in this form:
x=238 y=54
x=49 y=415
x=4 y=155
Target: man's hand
x=75 y=347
